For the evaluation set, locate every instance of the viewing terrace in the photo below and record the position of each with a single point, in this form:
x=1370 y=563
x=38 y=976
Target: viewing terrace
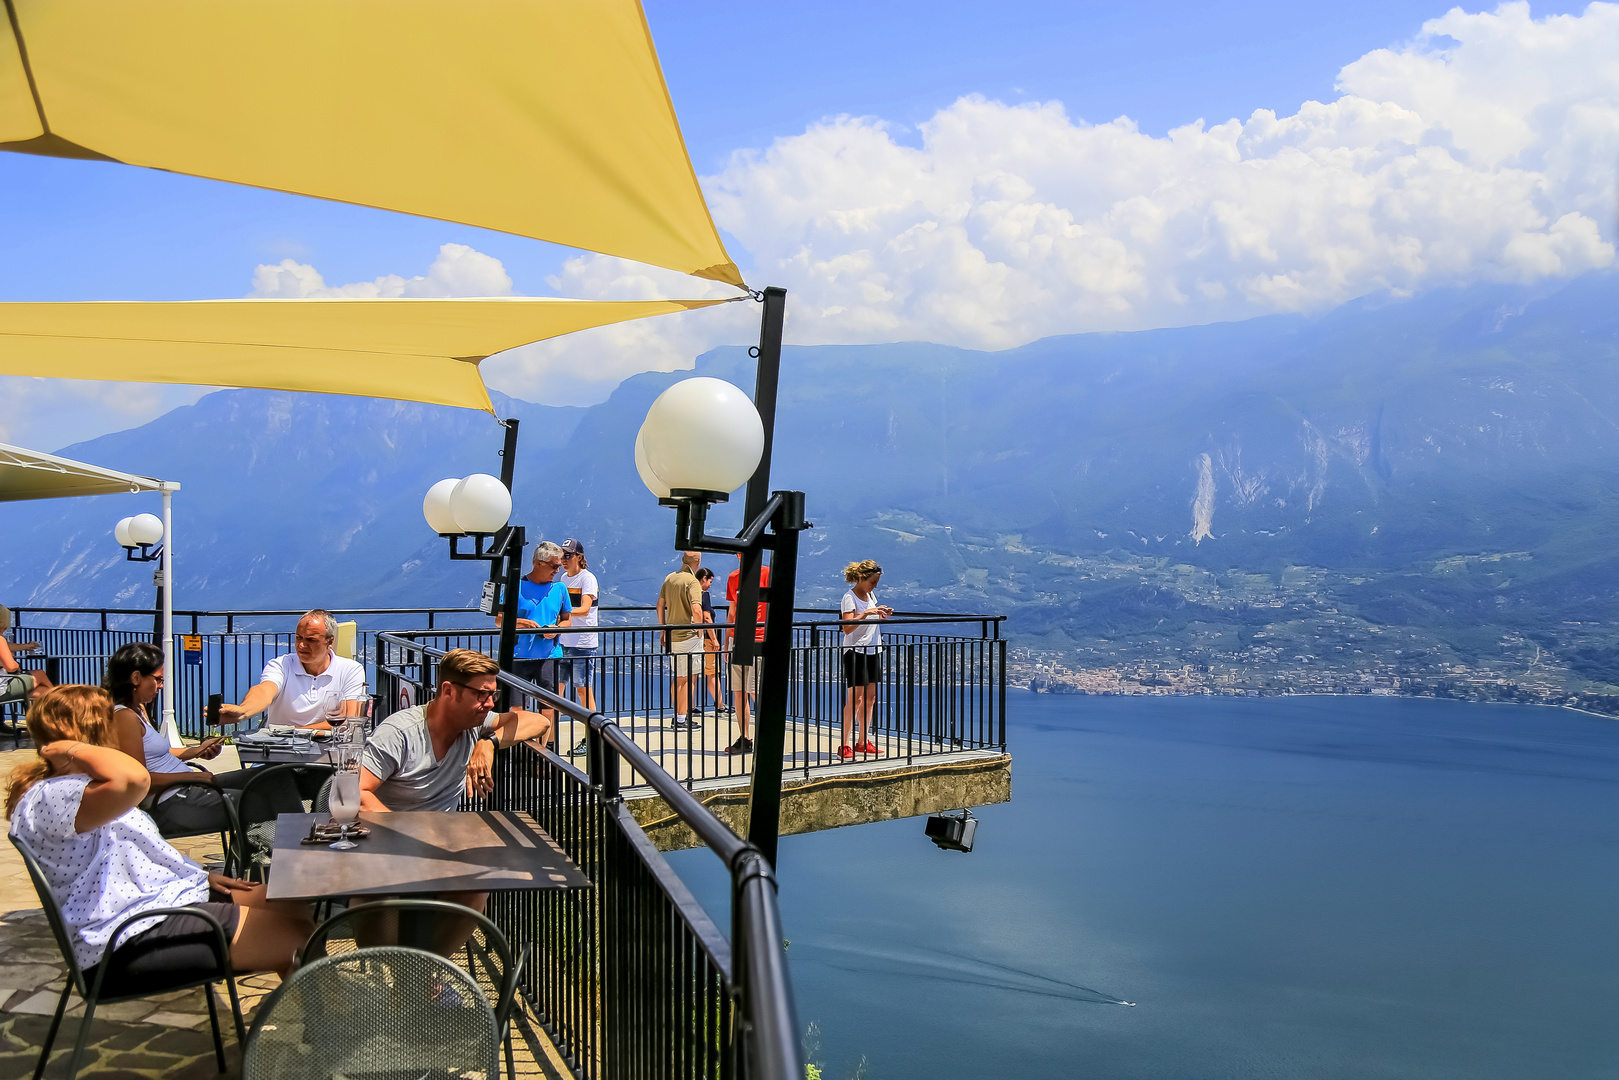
x=609 y=962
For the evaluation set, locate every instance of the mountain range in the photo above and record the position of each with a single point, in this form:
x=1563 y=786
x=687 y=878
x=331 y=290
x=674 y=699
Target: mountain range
x=1444 y=463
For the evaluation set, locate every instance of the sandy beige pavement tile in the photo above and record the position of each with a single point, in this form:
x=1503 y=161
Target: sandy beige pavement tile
x=31 y=976
x=130 y=1011
x=41 y=1004
x=179 y=1019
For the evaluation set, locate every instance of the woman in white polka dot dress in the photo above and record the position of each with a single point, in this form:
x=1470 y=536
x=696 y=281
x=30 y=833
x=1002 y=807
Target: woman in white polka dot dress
x=75 y=808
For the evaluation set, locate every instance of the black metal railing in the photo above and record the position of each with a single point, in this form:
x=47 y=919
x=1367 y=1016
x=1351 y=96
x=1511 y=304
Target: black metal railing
x=233 y=646
x=942 y=690
x=631 y=979
x=939 y=694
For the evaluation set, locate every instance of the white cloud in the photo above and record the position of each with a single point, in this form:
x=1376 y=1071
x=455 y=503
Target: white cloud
x=579 y=369
x=1483 y=150
x=49 y=414
x=458 y=271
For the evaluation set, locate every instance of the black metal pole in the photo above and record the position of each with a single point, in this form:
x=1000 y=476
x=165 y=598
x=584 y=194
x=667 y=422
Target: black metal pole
x=766 y=381
x=511 y=571
x=508 y=453
x=774 y=679
x=764 y=395
x=508 y=608
x=770 y=720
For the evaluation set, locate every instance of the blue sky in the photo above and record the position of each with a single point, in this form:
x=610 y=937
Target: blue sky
x=767 y=78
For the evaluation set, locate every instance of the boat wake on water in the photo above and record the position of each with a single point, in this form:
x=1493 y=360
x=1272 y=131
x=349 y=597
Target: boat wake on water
x=942 y=965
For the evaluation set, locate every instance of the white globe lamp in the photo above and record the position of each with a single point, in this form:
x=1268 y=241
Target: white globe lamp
x=436 y=508
x=703 y=434
x=145 y=529
x=120 y=533
x=481 y=504
x=651 y=479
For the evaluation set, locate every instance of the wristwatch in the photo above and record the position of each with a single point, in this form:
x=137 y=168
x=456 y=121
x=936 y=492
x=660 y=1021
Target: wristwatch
x=491 y=734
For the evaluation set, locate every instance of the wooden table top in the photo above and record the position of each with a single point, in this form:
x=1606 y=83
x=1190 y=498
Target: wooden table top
x=415 y=852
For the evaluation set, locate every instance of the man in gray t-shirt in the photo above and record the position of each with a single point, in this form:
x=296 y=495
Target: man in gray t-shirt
x=401 y=751
x=421 y=758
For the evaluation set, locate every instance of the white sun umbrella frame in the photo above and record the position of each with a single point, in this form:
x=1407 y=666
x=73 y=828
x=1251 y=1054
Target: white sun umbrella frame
x=31 y=474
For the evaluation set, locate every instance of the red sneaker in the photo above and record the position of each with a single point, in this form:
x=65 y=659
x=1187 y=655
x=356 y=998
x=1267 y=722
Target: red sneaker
x=846 y=753
x=869 y=748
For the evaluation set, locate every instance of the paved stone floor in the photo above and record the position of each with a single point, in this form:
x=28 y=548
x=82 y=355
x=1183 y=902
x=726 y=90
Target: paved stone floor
x=162 y=1036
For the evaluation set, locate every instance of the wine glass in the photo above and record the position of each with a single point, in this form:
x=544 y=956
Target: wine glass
x=345 y=804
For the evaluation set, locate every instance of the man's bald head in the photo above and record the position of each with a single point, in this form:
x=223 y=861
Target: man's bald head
x=691 y=560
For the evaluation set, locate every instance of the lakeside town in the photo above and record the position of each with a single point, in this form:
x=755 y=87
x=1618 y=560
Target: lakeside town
x=1545 y=682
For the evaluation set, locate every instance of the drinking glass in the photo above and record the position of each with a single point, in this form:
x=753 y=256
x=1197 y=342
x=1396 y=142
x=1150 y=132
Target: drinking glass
x=345 y=805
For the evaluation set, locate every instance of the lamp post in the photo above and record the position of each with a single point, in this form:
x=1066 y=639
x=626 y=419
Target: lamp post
x=701 y=440
x=142 y=538
x=479 y=508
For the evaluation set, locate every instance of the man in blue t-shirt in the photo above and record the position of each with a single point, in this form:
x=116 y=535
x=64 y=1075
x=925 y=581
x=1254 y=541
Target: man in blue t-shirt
x=541 y=601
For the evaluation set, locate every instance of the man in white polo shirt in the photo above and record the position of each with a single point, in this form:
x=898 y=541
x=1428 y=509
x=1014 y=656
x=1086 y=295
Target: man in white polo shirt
x=305 y=687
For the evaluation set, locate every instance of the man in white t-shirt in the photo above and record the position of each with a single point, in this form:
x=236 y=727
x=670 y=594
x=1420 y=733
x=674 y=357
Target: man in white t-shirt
x=579 y=651
x=306 y=687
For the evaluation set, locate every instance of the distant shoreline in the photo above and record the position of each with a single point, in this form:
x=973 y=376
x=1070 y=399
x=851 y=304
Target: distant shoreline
x=1330 y=694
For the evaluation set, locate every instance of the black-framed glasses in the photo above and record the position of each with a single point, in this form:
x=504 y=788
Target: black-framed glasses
x=482 y=695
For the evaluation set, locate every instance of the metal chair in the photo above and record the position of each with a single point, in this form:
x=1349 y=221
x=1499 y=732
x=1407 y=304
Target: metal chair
x=229 y=828
x=256 y=811
x=378 y=1013
x=393 y=913
x=92 y=984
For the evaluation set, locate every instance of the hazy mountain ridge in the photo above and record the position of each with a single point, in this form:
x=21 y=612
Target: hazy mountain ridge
x=1445 y=463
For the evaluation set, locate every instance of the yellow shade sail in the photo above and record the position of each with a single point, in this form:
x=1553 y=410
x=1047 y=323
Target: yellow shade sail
x=406 y=349
x=544 y=118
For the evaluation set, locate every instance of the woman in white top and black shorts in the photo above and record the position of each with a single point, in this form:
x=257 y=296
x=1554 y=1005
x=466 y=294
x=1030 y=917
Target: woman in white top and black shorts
x=862 y=655
x=75 y=809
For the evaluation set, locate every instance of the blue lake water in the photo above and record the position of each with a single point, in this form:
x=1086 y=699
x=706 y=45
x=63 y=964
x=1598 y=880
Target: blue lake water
x=1304 y=887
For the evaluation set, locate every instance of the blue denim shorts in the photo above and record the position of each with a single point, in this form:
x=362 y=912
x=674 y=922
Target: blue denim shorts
x=575 y=667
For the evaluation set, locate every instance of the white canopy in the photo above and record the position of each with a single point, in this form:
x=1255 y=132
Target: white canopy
x=30 y=474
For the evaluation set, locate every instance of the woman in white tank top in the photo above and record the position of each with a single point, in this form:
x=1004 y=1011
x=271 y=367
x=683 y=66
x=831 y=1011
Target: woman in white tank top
x=134 y=676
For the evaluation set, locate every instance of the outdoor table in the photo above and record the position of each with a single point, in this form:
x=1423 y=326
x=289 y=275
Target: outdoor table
x=413 y=852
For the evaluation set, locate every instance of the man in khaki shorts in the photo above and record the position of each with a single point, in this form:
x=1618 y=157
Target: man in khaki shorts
x=680 y=604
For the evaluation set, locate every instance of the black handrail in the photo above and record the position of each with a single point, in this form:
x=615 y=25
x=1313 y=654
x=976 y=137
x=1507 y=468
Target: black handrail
x=198 y=613
x=769 y=1026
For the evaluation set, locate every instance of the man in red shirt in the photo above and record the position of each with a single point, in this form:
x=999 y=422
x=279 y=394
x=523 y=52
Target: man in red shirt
x=744 y=680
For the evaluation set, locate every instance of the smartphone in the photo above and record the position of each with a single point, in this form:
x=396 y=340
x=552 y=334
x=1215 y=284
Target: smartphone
x=214 y=701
